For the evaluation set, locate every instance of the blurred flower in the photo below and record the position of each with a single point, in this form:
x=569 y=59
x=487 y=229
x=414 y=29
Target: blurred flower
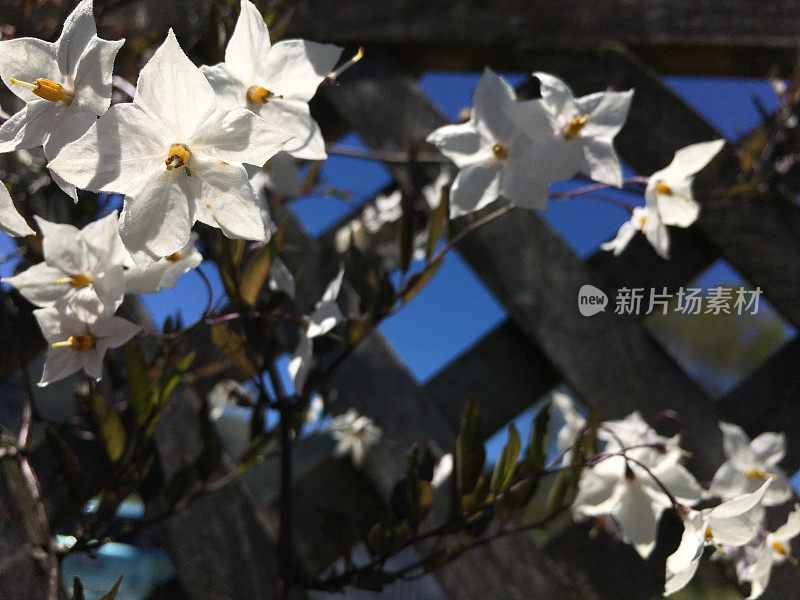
x=78 y=341
x=225 y=392
x=734 y=522
x=279 y=175
x=775 y=548
x=66 y=85
x=176 y=157
x=625 y=491
x=11 y=222
x=574 y=424
x=669 y=191
x=163 y=273
x=276 y=82
x=585 y=128
x=495 y=156
x=750 y=464
x=81 y=268
x=647 y=220
x=354 y=435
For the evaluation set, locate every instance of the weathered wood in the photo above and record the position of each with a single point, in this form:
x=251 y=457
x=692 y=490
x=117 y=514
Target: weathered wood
x=751 y=30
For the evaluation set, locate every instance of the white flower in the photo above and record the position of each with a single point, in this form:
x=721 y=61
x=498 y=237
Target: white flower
x=163 y=273
x=750 y=464
x=175 y=156
x=634 y=432
x=325 y=317
x=647 y=220
x=223 y=393
x=66 y=85
x=279 y=175
x=433 y=191
x=442 y=470
x=574 y=424
x=734 y=523
x=11 y=222
x=280 y=278
x=626 y=492
x=314 y=410
x=78 y=341
x=354 y=435
x=276 y=82
x=669 y=191
x=495 y=156
x=775 y=549
x=586 y=127
x=81 y=267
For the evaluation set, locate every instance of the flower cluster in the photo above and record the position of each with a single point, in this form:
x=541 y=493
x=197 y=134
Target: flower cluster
x=177 y=153
x=638 y=475
x=513 y=149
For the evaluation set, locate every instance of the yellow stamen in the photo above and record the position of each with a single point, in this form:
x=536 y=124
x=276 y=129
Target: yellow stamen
x=78 y=342
x=756 y=474
x=642 y=221
x=77 y=281
x=49 y=90
x=709 y=535
x=260 y=95
x=175 y=257
x=574 y=127
x=601 y=522
x=780 y=548
x=500 y=152
x=357 y=57
x=178 y=156
x=663 y=188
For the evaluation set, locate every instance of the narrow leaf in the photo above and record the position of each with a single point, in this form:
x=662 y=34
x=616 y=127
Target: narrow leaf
x=233 y=347
x=113 y=593
x=77 y=590
x=470 y=454
x=419 y=280
x=257 y=269
x=507 y=463
x=110 y=426
x=537 y=447
x=437 y=221
x=138 y=382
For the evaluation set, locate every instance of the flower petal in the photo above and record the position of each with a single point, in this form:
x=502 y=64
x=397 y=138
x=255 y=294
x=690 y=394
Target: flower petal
x=11 y=222
x=172 y=89
x=295 y=118
x=239 y=136
x=473 y=188
x=638 y=518
x=68 y=131
x=300 y=363
x=608 y=116
x=769 y=448
x=37 y=284
x=231 y=93
x=58 y=364
x=93 y=80
x=494 y=111
x=249 y=44
x=107 y=160
x=115 y=331
x=27 y=59
x=462 y=144
x=556 y=95
x=295 y=68
x=600 y=161
x=76 y=35
x=692 y=159
x=31 y=126
x=63 y=246
x=226 y=200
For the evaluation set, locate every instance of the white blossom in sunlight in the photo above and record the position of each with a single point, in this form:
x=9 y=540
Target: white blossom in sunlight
x=624 y=491
x=164 y=273
x=495 y=156
x=280 y=175
x=274 y=81
x=78 y=340
x=750 y=464
x=323 y=319
x=81 y=267
x=176 y=157
x=733 y=523
x=574 y=424
x=354 y=435
x=585 y=128
x=11 y=222
x=443 y=470
x=633 y=431
x=647 y=220
x=774 y=548
x=669 y=191
x=66 y=85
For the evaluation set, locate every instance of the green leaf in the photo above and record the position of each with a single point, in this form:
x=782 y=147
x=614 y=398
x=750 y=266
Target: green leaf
x=470 y=454
x=228 y=262
x=537 y=447
x=507 y=463
x=113 y=593
x=232 y=345
x=77 y=589
x=257 y=269
x=109 y=424
x=558 y=493
x=437 y=222
x=159 y=397
x=138 y=381
x=419 y=280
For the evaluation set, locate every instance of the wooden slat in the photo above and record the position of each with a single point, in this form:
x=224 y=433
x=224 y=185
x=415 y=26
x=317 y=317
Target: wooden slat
x=753 y=31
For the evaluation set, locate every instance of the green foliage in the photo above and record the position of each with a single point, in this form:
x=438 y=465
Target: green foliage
x=419 y=280
x=507 y=463
x=109 y=425
x=437 y=222
x=470 y=454
x=257 y=269
x=233 y=346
